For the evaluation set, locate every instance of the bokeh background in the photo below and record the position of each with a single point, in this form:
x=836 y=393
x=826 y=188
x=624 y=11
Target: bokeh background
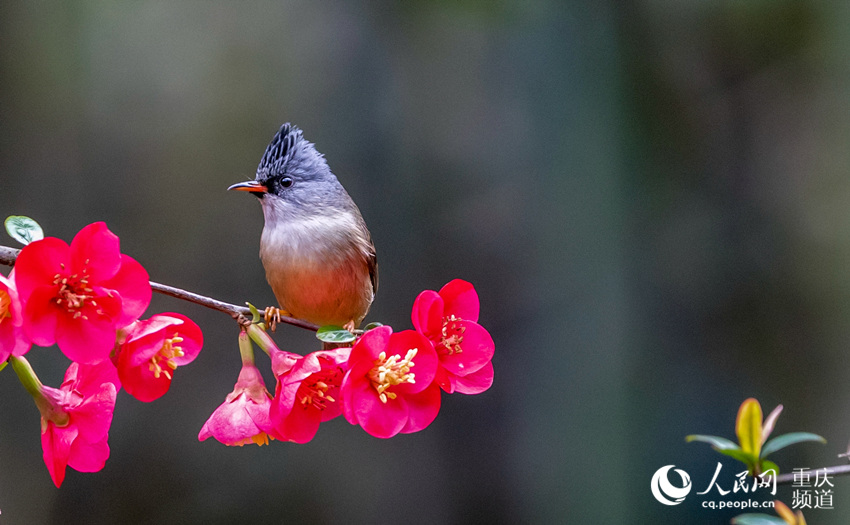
x=651 y=197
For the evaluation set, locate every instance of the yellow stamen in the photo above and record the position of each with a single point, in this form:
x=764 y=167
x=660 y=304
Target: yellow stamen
x=315 y=389
x=451 y=341
x=167 y=353
x=392 y=371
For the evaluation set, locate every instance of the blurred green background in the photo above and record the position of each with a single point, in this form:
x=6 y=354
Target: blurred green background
x=651 y=197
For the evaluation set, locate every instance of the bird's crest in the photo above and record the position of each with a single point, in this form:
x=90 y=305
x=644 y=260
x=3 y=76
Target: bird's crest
x=280 y=150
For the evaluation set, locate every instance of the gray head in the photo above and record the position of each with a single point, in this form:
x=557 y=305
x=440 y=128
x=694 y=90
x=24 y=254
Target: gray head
x=295 y=178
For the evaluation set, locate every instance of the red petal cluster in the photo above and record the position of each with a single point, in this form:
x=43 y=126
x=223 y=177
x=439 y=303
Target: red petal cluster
x=387 y=383
x=449 y=318
x=86 y=298
x=79 y=296
x=152 y=351
x=243 y=418
x=75 y=419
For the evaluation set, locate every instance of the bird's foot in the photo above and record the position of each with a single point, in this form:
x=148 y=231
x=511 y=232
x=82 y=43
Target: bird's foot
x=272 y=316
x=350 y=326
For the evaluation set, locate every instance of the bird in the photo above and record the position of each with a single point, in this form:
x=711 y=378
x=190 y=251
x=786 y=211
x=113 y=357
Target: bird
x=317 y=252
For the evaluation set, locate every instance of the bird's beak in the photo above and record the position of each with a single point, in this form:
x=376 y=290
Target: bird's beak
x=250 y=186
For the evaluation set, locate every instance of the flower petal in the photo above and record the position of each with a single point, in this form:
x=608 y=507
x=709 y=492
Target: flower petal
x=85 y=341
x=476 y=350
x=89 y=379
x=193 y=339
x=301 y=424
x=133 y=284
x=88 y=457
x=38 y=263
x=139 y=380
x=474 y=383
x=56 y=447
x=370 y=345
x=461 y=300
x=96 y=251
x=424 y=363
x=422 y=409
x=427 y=314
x=283 y=362
x=41 y=316
x=383 y=420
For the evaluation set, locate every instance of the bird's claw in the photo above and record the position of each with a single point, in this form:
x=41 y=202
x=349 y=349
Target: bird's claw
x=272 y=316
x=350 y=326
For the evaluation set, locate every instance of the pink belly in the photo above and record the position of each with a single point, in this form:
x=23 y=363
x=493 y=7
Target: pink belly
x=324 y=295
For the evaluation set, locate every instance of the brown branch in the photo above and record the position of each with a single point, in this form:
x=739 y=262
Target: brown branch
x=9 y=255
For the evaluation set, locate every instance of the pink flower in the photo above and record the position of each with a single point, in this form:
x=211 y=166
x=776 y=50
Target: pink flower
x=244 y=416
x=389 y=386
x=152 y=350
x=13 y=341
x=75 y=419
x=78 y=296
x=449 y=319
x=307 y=393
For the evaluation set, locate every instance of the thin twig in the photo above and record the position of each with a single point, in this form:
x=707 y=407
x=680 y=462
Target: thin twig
x=9 y=255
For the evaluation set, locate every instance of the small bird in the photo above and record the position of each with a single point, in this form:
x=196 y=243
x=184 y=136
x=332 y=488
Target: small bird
x=318 y=254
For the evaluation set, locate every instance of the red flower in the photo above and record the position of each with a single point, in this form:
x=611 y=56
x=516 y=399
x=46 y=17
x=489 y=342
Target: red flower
x=381 y=392
x=78 y=296
x=152 y=350
x=244 y=416
x=75 y=419
x=307 y=392
x=13 y=341
x=449 y=319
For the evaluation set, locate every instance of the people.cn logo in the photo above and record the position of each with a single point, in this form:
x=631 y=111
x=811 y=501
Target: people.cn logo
x=664 y=491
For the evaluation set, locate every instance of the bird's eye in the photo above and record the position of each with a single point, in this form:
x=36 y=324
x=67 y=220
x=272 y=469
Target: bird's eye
x=286 y=182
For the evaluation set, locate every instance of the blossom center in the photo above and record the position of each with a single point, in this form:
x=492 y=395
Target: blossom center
x=392 y=371
x=314 y=390
x=5 y=305
x=452 y=335
x=166 y=356
x=74 y=292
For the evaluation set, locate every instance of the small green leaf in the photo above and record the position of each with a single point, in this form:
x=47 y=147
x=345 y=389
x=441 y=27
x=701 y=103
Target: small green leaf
x=744 y=457
x=255 y=313
x=766 y=465
x=334 y=334
x=371 y=325
x=3 y=364
x=757 y=519
x=780 y=442
x=718 y=443
x=23 y=229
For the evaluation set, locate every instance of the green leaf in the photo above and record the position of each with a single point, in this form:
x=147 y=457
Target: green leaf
x=744 y=457
x=718 y=443
x=334 y=334
x=3 y=364
x=780 y=442
x=255 y=313
x=766 y=465
x=757 y=519
x=748 y=426
x=23 y=229
x=371 y=325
